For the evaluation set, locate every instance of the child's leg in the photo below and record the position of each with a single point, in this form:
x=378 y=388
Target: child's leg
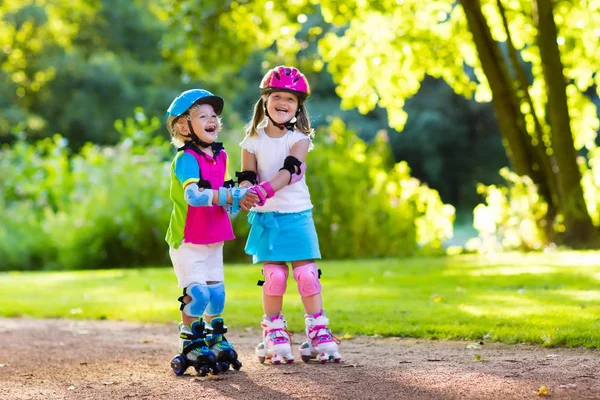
x=276 y=343
x=216 y=329
x=320 y=343
x=276 y=275
x=306 y=275
x=194 y=265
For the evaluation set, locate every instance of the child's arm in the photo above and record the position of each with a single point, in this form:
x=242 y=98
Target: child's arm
x=197 y=191
x=284 y=177
x=248 y=176
x=248 y=179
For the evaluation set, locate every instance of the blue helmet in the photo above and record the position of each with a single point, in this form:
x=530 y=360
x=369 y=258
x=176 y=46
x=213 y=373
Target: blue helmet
x=190 y=97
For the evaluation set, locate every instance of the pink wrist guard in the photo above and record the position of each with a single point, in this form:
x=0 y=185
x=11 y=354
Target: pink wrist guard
x=262 y=198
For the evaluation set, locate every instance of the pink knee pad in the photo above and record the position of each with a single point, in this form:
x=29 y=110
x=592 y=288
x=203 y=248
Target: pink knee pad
x=275 y=279
x=307 y=277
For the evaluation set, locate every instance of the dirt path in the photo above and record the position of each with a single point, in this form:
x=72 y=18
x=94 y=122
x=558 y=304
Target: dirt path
x=62 y=359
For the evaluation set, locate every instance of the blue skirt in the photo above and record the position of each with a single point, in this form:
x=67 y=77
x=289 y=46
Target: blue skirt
x=276 y=236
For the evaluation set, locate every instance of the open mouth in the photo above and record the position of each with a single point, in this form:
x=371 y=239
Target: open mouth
x=281 y=110
x=210 y=129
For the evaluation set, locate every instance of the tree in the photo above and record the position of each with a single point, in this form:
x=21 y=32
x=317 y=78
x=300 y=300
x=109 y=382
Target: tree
x=74 y=67
x=380 y=51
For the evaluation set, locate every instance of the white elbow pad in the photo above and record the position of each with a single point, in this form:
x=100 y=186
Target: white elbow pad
x=198 y=198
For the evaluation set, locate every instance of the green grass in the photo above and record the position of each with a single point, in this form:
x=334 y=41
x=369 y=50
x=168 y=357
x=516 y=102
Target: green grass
x=552 y=300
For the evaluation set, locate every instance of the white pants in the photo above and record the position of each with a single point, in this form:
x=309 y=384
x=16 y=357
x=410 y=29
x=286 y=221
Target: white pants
x=198 y=263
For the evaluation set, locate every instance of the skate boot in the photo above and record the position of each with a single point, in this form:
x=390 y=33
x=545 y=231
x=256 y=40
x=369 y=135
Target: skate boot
x=320 y=343
x=276 y=344
x=194 y=351
x=225 y=354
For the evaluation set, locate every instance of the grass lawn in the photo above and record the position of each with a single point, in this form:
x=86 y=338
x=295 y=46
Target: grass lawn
x=550 y=299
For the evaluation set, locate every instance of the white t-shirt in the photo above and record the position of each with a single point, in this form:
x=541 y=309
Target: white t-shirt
x=270 y=154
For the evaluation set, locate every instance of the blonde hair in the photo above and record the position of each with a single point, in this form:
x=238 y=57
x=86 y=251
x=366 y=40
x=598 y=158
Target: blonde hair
x=174 y=124
x=302 y=123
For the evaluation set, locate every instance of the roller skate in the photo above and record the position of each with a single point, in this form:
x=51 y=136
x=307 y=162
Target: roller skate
x=320 y=343
x=225 y=354
x=276 y=344
x=193 y=351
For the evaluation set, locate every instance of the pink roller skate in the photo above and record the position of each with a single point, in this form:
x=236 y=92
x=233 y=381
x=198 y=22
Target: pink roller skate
x=276 y=344
x=320 y=343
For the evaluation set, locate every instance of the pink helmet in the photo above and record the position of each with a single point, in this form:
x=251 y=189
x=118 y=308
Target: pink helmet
x=286 y=78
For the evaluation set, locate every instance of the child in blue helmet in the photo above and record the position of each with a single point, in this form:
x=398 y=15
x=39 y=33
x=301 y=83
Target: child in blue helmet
x=202 y=192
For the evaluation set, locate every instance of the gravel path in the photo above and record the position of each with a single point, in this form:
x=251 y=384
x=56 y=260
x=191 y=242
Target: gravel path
x=67 y=359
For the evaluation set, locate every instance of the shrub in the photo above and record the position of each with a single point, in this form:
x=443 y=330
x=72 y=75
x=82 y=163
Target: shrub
x=109 y=206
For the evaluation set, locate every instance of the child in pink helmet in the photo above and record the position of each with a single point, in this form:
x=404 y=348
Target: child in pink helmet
x=282 y=231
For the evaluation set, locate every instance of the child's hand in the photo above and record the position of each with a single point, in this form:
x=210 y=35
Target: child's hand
x=249 y=201
x=246 y=184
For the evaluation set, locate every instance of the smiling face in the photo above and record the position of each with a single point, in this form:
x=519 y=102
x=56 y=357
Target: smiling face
x=282 y=106
x=205 y=121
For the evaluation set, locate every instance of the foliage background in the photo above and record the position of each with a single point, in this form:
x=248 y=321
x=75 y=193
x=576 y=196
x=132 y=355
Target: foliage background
x=80 y=190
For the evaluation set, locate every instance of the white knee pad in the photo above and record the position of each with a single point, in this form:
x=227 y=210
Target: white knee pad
x=275 y=279
x=307 y=277
x=200 y=296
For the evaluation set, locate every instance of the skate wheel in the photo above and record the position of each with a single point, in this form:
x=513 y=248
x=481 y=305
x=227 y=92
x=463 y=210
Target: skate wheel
x=306 y=358
x=324 y=361
x=224 y=366
x=261 y=359
x=203 y=370
x=337 y=360
x=237 y=364
x=179 y=365
x=289 y=361
x=217 y=368
x=277 y=362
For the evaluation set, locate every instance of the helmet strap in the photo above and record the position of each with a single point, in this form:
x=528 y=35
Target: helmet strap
x=286 y=125
x=195 y=139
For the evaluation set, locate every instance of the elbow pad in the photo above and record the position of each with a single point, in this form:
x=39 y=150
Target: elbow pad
x=249 y=176
x=198 y=198
x=295 y=167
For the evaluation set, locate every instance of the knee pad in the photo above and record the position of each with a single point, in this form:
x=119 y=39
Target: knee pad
x=307 y=277
x=200 y=296
x=275 y=279
x=216 y=304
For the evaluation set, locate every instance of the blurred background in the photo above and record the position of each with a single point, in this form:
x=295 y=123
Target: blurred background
x=440 y=126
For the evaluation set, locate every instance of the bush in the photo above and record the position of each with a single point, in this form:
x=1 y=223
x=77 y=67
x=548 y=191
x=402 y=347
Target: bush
x=365 y=206
x=512 y=218
x=108 y=207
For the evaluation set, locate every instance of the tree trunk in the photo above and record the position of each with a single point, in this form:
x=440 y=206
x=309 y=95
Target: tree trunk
x=516 y=139
x=543 y=160
x=578 y=224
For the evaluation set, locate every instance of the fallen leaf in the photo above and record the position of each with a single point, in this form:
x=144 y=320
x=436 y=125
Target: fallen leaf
x=71 y=388
x=3 y=365
x=147 y=341
x=474 y=345
x=479 y=358
x=543 y=391
x=552 y=356
x=346 y=336
x=436 y=298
